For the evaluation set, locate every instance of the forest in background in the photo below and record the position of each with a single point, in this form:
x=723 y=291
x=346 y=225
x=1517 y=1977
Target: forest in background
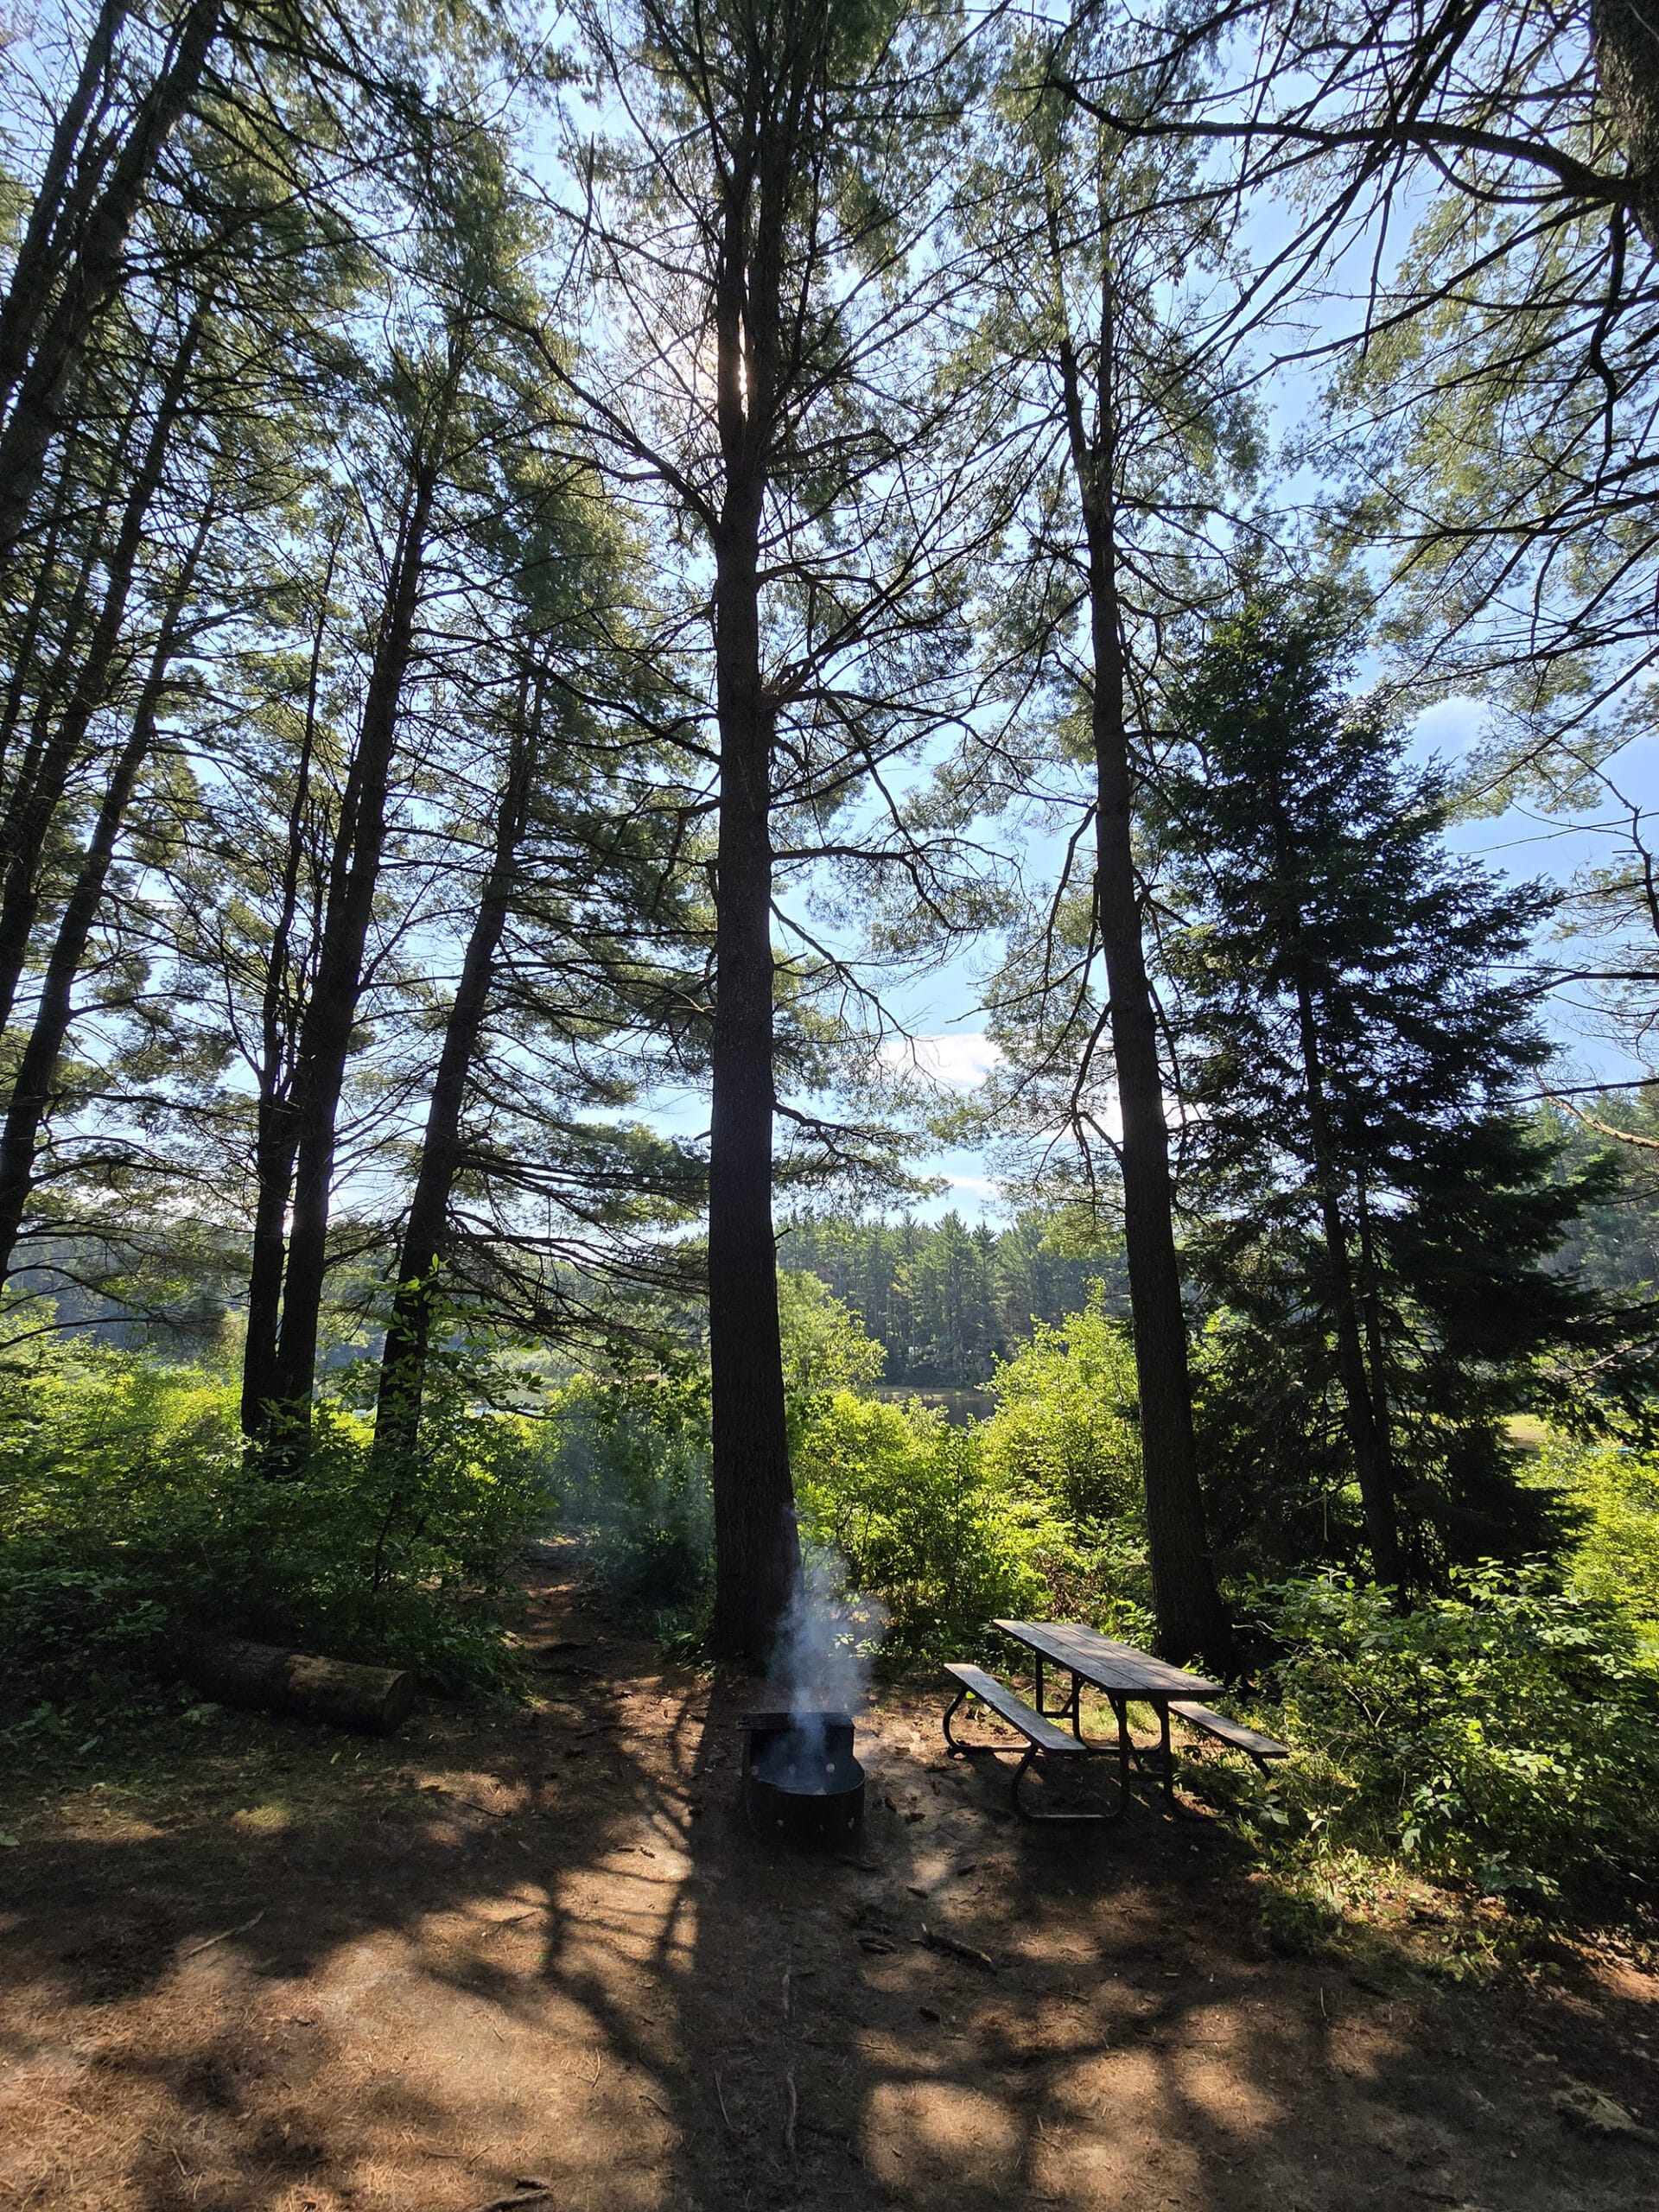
x=554 y=572
x=944 y=1301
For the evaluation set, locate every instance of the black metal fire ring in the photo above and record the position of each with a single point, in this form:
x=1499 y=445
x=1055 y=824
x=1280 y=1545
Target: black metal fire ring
x=802 y=1784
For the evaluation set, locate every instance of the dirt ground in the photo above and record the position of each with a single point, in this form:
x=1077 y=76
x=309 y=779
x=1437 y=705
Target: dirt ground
x=303 y=1973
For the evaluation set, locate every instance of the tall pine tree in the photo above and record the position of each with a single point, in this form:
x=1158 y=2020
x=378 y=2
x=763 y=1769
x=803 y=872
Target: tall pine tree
x=1362 y=1035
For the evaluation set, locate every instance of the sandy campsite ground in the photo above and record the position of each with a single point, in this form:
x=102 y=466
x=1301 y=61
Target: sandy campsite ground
x=306 y=1974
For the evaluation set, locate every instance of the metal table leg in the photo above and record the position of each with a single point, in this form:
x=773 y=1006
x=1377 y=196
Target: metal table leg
x=1067 y=1820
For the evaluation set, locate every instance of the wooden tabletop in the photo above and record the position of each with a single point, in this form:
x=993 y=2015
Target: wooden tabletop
x=1106 y=1663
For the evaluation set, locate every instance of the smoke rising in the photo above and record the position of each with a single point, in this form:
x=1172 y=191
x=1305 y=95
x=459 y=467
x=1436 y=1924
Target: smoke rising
x=821 y=1661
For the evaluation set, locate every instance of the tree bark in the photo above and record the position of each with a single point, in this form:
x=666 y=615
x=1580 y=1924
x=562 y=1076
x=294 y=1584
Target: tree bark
x=276 y=1130
x=93 y=272
x=40 y=601
x=326 y=1031
x=1624 y=41
x=32 y=1091
x=402 y=1362
x=35 y=798
x=1192 y=1620
x=228 y=1668
x=40 y=255
x=757 y=1546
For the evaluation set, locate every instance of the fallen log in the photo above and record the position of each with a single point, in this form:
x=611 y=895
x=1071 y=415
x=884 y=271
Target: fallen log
x=235 y=1672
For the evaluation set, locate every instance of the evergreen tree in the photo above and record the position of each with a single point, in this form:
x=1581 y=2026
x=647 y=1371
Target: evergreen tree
x=1360 y=1034
x=1107 y=288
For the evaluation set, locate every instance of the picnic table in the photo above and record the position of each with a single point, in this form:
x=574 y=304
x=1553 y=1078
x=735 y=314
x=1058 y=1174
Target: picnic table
x=1124 y=1675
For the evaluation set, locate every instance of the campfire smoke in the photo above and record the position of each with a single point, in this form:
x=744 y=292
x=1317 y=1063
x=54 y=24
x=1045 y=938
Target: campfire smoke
x=801 y=1781
x=821 y=1661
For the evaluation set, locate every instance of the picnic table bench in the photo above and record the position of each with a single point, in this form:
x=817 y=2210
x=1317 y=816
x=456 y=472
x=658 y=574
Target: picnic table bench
x=1124 y=1674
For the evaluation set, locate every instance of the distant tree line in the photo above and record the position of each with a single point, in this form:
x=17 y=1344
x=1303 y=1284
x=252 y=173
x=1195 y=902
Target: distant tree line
x=944 y=1301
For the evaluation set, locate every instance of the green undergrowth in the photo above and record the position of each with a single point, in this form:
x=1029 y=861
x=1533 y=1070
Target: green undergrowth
x=129 y=1513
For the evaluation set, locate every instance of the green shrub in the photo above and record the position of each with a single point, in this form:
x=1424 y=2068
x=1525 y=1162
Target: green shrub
x=631 y=1469
x=1505 y=1732
x=1067 y=1417
x=922 y=1520
x=1614 y=1558
x=128 y=1512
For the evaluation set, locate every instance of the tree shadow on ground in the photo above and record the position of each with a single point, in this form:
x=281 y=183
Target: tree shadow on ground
x=548 y=1947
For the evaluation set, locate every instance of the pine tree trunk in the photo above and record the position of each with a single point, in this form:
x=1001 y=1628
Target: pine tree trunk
x=57 y=681
x=326 y=1032
x=757 y=1547
x=39 y=254
x=34 y=800
x=1624 y=41
x=32 y=1090
x=1192 y=1620
x=41 y=598
x=276 y=1139
x=403 y=1361
x=277 y=1131
x=94 y=271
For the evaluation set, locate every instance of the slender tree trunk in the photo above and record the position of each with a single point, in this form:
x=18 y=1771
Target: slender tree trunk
x=57 y=680
x=757 y=1546
x=403 y=1363
x=277 y=1131
x=1191 y=1618
x=46 y=585
x=326 y=1032
x=39 y=254
x=35 y=798
x=32 y=1091
x=1376 y=1365
x=94 y=271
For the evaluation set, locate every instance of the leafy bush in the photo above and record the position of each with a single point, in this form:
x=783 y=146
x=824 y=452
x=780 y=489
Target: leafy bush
x=825 y=1348
x=1504 y=1732
x=946 y=1528
x=923 y=1519
x=1067 y=1419
x=1614 y=1493
x=128 y=1512
x=631 y=1469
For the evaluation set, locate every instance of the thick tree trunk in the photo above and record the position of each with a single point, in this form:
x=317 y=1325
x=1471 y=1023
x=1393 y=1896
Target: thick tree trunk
x=277 y=1140
x=1192 y=1620
x=93 y=272
x=326 y=1032
x=1624 y=40
x=757 y=1546
x=32 y=1091
x=402 y=1362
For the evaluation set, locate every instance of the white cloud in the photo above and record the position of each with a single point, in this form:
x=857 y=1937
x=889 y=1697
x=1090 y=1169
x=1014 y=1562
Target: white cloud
x=959 y=1059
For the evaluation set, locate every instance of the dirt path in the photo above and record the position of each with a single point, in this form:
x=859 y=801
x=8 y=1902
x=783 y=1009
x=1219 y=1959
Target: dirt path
x=306 y=1977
